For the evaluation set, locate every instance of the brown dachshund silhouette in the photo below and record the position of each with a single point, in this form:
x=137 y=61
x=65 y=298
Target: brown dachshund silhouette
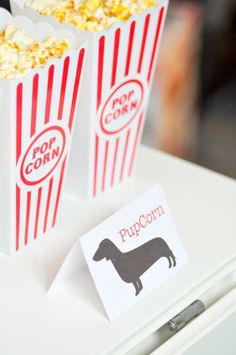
x=132 y=264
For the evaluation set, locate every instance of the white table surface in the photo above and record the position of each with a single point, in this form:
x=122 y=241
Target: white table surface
x=72 y=320
x=220 y=341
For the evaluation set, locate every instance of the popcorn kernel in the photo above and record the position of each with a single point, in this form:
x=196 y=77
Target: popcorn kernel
x=92 y=15
x=19 y=53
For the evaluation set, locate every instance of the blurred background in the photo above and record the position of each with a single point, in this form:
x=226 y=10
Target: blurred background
x=192 y=111
x=193 y=103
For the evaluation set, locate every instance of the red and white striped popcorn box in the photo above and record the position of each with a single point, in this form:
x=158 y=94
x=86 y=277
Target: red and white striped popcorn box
x=37 y=120
x=119 y=72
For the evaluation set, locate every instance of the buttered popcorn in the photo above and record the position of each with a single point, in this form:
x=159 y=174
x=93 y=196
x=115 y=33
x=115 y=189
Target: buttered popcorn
x=92 y=15
x=19 y=53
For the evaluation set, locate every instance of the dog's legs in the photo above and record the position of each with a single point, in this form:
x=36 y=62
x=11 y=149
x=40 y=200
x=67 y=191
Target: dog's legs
x=173 y=259
x=138 y=286
x=170 y=262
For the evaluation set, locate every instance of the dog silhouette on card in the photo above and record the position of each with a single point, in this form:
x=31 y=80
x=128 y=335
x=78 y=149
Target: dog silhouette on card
x=133 y=264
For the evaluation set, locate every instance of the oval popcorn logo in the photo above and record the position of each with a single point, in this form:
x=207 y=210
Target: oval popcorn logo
x=43 y=155
x=121 y=107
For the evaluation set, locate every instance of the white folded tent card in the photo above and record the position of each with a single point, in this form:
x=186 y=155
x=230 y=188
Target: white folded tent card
x=118 y=77
x=37 y=119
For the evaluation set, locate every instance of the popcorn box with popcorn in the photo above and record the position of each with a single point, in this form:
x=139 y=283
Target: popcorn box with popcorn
x=37 y=118
x=119 y=71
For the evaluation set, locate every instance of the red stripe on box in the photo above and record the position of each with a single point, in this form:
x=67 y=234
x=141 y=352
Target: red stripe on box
x=144 y=39
x=49 y=93
x=27 y=218
x=159 y=22
x=37 y=212
x=63 y=87
x=76 y=87
x=105 y=166
x=34 y=104
x=19 y=120
x=48 y=205
x=95 y=166
x=17 y=218
x=135 y=144
x=130 y=47
x=59 y=192
x=115 y=56
x=124 y=155
x=100 y=69
x=114 y=161
x=19 y=97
